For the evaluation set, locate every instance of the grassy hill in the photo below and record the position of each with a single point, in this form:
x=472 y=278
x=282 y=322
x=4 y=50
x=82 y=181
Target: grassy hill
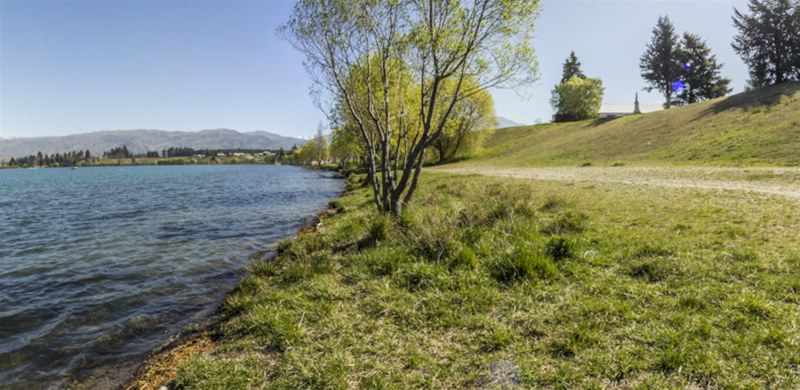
x=760 y=127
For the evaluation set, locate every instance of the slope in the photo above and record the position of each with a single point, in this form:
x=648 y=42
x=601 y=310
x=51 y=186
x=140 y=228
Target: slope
x=759 y=127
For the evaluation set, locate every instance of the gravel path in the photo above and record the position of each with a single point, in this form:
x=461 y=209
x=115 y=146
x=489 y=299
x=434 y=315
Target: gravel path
x=777 y=181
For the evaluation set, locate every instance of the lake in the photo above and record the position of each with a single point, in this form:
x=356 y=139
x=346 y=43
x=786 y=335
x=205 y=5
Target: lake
x=100 y=265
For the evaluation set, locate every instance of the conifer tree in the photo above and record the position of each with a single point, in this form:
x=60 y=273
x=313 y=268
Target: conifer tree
x=700 y=72
x=572 y=67
x=769 y=41
x=659 y=63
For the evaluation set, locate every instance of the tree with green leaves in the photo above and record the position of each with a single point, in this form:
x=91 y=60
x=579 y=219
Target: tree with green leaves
x=769 y=41
x=577 y=99
x=471 y=122
x=572 y=67
x=659 y=64
x=322 y=151
x=700 y=72
x=374 y=51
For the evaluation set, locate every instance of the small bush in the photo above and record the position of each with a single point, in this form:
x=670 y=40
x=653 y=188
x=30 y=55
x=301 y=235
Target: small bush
x=559 y=248
x=521 y=265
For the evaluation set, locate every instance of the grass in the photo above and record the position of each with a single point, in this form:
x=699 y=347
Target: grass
x=561 y=284
x=759 y=127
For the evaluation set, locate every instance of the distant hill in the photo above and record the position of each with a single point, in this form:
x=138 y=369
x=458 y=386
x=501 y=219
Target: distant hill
x=761 y=126
x=140 y=141
x=503 y=122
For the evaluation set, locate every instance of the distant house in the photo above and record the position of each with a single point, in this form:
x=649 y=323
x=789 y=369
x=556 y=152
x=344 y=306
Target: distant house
x=620 y=110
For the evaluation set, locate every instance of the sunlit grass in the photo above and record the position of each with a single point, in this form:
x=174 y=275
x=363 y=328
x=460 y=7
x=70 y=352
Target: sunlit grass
x=760 y=127
x=583 y=286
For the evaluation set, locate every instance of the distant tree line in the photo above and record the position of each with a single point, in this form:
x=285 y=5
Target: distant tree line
x=79 y=157
x=67 y=159
x=119 y=152
x=190 y=152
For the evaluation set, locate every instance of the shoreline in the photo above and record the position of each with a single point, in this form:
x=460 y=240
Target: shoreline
x=159 y=366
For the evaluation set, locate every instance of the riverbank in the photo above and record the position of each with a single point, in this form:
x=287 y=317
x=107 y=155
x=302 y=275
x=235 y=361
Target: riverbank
x=491 y=281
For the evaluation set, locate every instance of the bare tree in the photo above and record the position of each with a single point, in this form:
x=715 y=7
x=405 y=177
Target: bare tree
x=369 y=53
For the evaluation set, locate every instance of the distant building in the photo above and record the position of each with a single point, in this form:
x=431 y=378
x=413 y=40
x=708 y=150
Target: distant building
x=620 y=110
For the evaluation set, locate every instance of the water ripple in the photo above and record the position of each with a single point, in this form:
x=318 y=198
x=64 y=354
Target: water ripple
x=100 y=265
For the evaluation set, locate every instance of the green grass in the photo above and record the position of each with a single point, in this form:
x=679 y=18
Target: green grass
x=760 y=127
x=570 y=285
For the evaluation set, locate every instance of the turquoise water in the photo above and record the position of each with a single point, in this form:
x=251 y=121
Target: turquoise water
x=100 y=265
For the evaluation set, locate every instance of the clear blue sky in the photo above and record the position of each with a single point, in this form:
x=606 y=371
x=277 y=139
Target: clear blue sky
x=71 y=67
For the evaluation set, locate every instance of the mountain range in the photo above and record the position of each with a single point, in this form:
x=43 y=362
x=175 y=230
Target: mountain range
x=141 y=141
x=503 y=122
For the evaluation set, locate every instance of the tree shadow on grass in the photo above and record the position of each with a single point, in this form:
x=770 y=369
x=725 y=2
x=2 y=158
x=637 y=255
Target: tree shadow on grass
x=602 y=121
x=752 y=100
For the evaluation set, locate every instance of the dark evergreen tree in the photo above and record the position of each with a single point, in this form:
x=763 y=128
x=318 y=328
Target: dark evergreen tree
x=700 y=72
x=769 y=41
x=572 y=67
x=659 y=64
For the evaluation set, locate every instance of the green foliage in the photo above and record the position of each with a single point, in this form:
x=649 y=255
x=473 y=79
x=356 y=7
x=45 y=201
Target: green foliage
x=305 y=154
x=470 y=123
x=700 y=72
x=769 y=41
x=577 y=99
x=401 y=75
x=659 y=65
x=572 y=68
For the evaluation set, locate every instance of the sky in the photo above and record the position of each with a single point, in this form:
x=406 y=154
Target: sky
x=71 y=67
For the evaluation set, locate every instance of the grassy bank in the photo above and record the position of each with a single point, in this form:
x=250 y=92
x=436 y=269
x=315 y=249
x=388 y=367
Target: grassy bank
x=490 y=281
x=759 y=127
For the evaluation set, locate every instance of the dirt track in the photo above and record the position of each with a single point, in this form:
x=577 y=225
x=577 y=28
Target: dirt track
x=777 y=181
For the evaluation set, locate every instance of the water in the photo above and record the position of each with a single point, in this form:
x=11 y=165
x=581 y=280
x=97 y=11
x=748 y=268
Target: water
x=100 y=265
